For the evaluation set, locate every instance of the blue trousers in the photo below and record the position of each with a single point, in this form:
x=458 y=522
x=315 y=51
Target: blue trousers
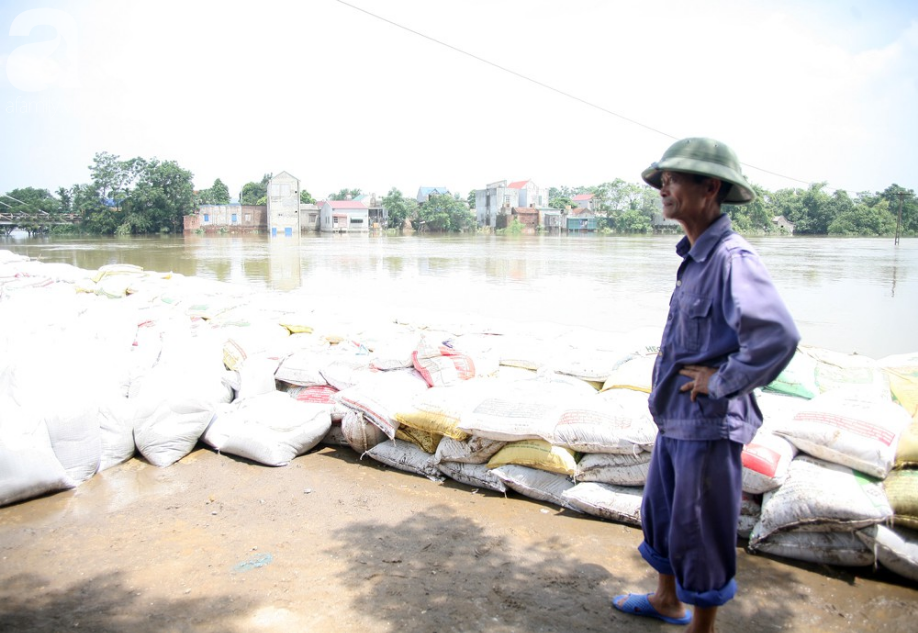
x=689 y=515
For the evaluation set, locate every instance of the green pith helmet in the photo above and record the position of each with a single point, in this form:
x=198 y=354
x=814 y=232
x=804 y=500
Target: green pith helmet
x=705 y=157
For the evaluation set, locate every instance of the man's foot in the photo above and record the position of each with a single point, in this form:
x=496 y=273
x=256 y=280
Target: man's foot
x=639 y=604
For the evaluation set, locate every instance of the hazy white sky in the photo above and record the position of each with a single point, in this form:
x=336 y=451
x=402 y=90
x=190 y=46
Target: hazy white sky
x=811 y=90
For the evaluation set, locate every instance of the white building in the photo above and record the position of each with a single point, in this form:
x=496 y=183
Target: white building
x=500 y=196
x=284 y=205
x=344 y=216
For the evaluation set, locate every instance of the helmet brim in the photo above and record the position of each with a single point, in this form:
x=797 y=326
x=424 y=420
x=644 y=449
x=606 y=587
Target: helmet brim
x=740 y=193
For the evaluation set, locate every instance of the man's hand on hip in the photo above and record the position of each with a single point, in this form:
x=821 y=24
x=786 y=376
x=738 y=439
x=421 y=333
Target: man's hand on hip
x=699 y=375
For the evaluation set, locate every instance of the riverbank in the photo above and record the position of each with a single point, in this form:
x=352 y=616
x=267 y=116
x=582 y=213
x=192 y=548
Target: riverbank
x=334 y=543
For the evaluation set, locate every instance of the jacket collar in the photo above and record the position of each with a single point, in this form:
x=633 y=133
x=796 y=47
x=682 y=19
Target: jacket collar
x=708 y=240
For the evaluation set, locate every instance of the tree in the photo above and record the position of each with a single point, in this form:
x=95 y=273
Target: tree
x=253 y=192
x=306 y=198
x=445 y=213
x=38 y=205
x=862 y=219
x=344 y=194
x=219 y=192
x=398 y=208
x=909 y=207
x=471 y=199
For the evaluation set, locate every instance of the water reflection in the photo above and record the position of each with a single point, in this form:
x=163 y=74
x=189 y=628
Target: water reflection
x=846 y=294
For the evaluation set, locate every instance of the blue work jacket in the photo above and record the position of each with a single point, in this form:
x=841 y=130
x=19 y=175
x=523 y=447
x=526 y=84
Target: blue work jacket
x=726 y=313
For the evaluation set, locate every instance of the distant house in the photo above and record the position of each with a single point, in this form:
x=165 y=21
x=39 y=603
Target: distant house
x=343 y=216
x=584 y=200
x=236 y=218
x=527 y=216
x=284 y=205
x=377 y=215
x=500 y=197
x=783 y=224
x=424 y=193
x=550 y=219
x=581 y=219
x=309 y=217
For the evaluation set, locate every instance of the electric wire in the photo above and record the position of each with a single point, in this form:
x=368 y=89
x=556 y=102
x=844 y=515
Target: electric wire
x=546 y=86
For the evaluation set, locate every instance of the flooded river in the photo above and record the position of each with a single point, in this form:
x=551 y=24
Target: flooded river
x=852 y=295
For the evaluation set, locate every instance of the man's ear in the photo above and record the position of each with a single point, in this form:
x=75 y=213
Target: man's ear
x=713 y=186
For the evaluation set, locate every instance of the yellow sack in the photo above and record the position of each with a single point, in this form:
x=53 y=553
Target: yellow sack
x=427 y=442
x=902 y=491
x=635 y=373
x=536 y=454
x=907 y=452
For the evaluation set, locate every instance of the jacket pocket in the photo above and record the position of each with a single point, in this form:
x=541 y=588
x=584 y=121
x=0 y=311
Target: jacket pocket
x=696 y=322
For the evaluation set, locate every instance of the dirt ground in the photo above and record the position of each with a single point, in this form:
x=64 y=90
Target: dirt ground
x=333 y=543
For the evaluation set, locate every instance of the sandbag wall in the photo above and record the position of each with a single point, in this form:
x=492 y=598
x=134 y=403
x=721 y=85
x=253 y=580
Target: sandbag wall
x=155 y=363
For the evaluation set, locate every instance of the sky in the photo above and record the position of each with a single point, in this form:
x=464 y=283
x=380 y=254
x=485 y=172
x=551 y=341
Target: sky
x=459 y=94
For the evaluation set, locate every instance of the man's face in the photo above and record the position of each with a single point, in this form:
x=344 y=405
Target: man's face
x=682 y=197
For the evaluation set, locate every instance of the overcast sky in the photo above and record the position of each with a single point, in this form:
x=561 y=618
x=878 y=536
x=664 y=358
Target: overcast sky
x=809 y=90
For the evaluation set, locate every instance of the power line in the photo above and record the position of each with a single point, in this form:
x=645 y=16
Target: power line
x=542 y=84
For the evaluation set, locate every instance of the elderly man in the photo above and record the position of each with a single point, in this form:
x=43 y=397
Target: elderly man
x=727 y=333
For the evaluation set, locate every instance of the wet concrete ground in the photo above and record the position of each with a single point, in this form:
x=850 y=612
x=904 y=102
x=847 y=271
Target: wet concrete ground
x=333 y=543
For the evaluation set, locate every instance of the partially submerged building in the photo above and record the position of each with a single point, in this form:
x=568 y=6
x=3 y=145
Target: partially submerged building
x=284 y=205
x=344 y=216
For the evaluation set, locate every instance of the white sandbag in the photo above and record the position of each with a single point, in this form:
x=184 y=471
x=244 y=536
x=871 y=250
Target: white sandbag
x=256 y=377
x=439 y=409
x=616 y=503
x=73 y=426
x=116 y=427
x=360 y=434
x=540 y=485
x=765 y=462
x=257 y=339
x=821 y=496
x=862 y=435
x=858 y=377
x=474 y=475
x=843 y=549
x=616 y=421
x=778 y=410
x=28 y=465
x=750 y=514
x=896 y=548
x=483 y=349
x=407 y=457
x=474 y=450
x=165 y=430
x=798 y=379
x=441 y=365
x=270 y=429
x=526 y=409
x=609 y=468
x=304 y=368
x=382 y=394
x=590 y=364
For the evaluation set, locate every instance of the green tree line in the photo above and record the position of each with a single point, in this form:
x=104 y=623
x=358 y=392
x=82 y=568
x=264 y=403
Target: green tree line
x=141 y=196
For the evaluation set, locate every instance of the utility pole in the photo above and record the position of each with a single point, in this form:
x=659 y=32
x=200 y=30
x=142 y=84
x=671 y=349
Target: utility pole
x=901 y=194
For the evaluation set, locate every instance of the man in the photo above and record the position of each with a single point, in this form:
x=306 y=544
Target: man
x=727 y=333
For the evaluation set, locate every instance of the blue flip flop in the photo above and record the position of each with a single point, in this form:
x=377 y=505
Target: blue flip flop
x=638 y=604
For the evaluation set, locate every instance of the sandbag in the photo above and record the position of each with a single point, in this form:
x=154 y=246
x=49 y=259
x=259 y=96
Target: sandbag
x=165 y=430
x=441 y=366
x=270 y=429
x=821 y=496
x=858 y=377
x=360 y=434
x=750 y=514
x=862 y=435
x=902 y=372
x=474 y=475
x=634 y=373
x=380 y=396
x=765 y=462
x=843 y=549
x=896 y=548
x=76 y=438
x=615 y=421
x=474 y=450
x=407 y=457
x=536 y=454
x=798 y=378
x=606 y=468
x=907 y=450
x=303 y=368
x=28 y=465
x=615 y=503
x=902 y=491
x=335 y=435
x=116 y=429
x=439 y=409
x=424 y=440
x=536 y=484
x=256 y=377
